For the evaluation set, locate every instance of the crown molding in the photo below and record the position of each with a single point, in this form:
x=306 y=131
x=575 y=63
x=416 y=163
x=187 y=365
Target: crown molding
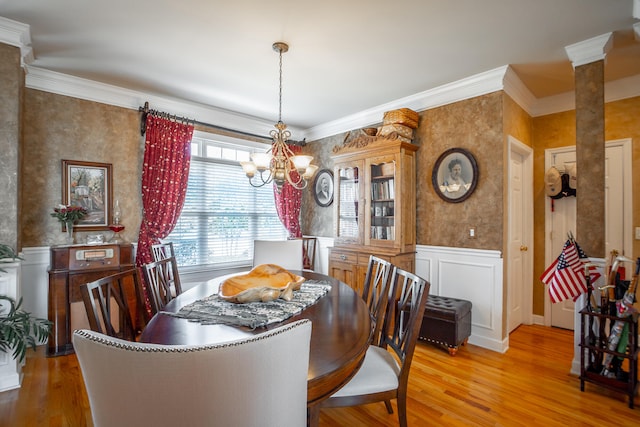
x=591 y=50
x=502 y=78
x=76 y=87
x=470 y=87
x=517 y=90
x=616 y=90
x=17 y=34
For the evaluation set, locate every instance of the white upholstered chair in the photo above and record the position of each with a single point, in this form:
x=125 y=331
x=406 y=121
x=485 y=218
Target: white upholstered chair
x=285 y=253
x=258 y=381
x=384 y=374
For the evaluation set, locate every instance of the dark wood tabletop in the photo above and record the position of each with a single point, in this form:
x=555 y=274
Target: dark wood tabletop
x=341 y=328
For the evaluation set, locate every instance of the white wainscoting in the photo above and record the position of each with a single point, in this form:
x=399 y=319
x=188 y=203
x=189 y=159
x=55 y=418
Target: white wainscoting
x=10 y=283
x=322 y=254
x=35 y=280
x=470 y=274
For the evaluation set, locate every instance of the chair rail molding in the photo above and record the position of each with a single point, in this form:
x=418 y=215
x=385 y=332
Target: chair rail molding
x=474 y=275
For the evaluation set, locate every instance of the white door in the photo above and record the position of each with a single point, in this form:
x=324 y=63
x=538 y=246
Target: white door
x=617 y=214
x=520 y=226
x=563 y=215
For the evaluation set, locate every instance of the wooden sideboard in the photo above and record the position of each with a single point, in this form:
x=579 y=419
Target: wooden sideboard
x=70 y=267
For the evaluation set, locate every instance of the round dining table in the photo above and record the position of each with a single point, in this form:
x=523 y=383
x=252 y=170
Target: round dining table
x=341 y=332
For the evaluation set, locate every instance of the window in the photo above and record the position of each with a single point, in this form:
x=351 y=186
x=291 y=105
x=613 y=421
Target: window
x=223 y=214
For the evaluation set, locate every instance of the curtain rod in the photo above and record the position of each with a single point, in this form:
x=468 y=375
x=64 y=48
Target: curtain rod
x=145 y=110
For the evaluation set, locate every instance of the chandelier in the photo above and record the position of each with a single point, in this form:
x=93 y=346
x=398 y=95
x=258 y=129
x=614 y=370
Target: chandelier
x=279 y=164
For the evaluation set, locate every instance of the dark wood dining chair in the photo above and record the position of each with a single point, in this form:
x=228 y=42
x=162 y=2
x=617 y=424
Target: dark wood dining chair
x=375 y=292
x=162 y=251
x=309 y=252
x=384 y=374
x=163 y=282
x=107 y=302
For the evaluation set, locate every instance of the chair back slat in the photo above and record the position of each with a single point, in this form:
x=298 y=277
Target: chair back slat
x=106 y=301
x=162 y=251
x=375 y=292
x=163 y=282
x=407 y=302
x=309 y=252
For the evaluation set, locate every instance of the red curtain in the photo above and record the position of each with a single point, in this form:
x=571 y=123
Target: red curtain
x=165 y=173
x=288 y=202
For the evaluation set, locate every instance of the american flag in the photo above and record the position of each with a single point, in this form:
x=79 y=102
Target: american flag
x=565 y=276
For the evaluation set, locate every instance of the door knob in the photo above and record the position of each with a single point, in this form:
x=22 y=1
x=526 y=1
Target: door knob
x=523 y=248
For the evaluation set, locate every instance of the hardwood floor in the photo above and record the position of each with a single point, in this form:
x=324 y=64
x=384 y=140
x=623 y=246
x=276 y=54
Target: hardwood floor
x=530 y=385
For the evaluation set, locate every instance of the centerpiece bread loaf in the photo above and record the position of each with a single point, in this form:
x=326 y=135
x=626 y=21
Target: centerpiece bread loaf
x=266 y=282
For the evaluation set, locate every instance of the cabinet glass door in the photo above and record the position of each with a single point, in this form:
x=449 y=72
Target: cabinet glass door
x=348 y=189
x=382 y=209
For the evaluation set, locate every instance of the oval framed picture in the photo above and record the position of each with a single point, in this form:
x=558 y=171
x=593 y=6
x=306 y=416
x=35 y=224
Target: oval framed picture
x=455 y=175
x=323 y=187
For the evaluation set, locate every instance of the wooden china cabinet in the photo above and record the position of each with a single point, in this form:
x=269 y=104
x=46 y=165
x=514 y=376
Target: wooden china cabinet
x=374 y=207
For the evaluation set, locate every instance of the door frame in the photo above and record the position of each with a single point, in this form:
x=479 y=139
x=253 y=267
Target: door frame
x=549 y=257
x=526 y=152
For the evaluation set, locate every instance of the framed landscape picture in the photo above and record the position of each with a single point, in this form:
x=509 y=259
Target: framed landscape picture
x=89 y=185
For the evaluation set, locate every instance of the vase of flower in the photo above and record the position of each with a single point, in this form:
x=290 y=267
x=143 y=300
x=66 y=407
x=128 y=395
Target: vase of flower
x=69 y=225
x=69 y=215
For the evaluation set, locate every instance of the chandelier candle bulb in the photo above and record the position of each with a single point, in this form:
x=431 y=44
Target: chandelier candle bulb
x=249 y=168
x=261 y=160
x=301 y=162
x=311 y=170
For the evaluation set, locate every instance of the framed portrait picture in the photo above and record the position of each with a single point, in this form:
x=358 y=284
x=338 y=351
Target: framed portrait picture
x=323 y=187
x=89 y=185
x=455 y=175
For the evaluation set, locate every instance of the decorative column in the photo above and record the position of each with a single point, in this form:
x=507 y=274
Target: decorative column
x=588 y=58
x=14 y=51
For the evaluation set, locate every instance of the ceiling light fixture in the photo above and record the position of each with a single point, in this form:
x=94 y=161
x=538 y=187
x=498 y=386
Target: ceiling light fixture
x=281 y=164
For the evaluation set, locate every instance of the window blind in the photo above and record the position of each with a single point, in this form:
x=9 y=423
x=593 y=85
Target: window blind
x=222 y=215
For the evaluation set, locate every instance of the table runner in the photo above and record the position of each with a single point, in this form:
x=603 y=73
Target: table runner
x=213 y=310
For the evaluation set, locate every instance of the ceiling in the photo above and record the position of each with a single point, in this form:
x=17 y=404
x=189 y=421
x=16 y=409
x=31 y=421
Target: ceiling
x=345 y=56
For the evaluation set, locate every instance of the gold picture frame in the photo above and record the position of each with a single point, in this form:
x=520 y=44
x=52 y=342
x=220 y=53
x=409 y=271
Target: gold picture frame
x=88 y=184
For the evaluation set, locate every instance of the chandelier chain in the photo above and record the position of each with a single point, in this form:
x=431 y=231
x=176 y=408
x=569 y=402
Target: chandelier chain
x=280 y=93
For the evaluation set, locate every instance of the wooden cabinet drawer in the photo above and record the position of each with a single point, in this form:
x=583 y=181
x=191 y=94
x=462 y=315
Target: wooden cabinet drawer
x=344 y=256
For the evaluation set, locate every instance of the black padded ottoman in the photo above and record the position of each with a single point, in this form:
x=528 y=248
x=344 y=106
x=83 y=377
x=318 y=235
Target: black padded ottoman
x=447 y=321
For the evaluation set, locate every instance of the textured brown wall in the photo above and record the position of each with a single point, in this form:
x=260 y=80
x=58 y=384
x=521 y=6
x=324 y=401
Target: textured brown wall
x=476 y=125
x=59 y=127
x=11 y=83
x=590 y=210
x=516 y=123
x=317 y=220
x=559 y=130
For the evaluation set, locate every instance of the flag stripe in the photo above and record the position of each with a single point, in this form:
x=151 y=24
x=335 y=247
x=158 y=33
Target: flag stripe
x=566 y=275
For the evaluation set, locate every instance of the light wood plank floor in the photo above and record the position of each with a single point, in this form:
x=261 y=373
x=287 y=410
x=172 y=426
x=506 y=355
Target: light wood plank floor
x=530 y=385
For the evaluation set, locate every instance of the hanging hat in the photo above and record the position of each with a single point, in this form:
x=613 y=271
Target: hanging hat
x=552 y=182
x=572 y=171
